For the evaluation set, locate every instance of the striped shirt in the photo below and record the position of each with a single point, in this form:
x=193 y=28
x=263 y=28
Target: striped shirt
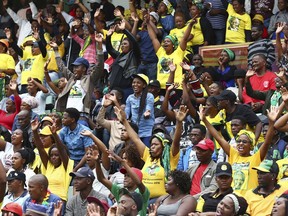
x=218 y=21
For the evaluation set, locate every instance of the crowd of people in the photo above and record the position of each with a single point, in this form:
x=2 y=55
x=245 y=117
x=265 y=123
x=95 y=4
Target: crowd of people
x=106 y=110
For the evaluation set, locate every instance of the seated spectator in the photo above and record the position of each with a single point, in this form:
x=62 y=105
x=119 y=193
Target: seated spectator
x=280 y=205
x=224 y=73
x=260 y=199
x=20 y=162
x=280 y=16
x=208 y=202
x=240 y=158
x=160 y=152
x=239 y=205
x=238 y=26
x=40 y=195
x=16 y=191
x=263 y=8
x=178 y=201
x=56 y=162
x=93 y=201
x=70 y=135
x=188 y=155
x=203 y=173
x=12 y=208
x=83 y=181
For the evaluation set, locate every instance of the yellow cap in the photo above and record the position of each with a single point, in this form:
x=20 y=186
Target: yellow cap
x=258 y=17
x=46 y=131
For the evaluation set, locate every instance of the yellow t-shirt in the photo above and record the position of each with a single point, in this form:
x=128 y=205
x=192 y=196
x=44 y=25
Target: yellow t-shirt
x=162 y=66
x=283 y=168
x=59 y=178
x=258 y=205
x=36 y=165
x=6 y=62
x=153 y=173
x=116 y=40
x=179 y=33
x=52 y=66
x=198 y=38
x=236 y=26
x=244 y=177
x=33 y=67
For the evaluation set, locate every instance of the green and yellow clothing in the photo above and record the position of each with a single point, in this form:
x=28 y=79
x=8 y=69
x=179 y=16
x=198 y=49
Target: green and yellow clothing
x=163 y=70
x=198 y=38
x=236 y=26
x=244 y=177
x=154 y=174
x=52 y=66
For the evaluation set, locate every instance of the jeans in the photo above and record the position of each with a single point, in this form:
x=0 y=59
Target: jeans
x=149 y=69
x=219 y=36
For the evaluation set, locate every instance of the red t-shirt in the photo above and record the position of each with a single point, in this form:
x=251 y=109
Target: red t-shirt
x=196 y=180
x=260 y=83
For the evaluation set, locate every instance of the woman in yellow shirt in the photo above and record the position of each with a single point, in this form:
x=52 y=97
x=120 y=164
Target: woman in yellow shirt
x=56 y=165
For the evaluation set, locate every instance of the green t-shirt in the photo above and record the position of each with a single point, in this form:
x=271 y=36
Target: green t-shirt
x=115 y=190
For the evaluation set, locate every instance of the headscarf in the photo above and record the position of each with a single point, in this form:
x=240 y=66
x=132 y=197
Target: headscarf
x=170 y=9
x=166 y=152
x=31 y=101
x=174 y=40
x=235 y=201
x=230 y=53
x=249 y=134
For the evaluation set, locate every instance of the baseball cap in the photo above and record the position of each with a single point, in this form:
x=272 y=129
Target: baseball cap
x=5 y=42
x=83 y=172
x=47 y=118
x=159 y=128
x=135 y=196
x=268 y=166
x=154 y=83
x=102 y=204
x=206 y=144
x=223 y=168
x=81 y=61
x=45 y=131
x=14 y=208
x=142 y=76
x=135 y=170
x=226 y=95
x=155 y=16
x=258 y=17
x=16 y=175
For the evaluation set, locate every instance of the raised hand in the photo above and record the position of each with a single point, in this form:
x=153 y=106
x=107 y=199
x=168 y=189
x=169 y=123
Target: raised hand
x=99 y=38
x=181 y=113
x=250 y=73
x=172 y=66
x=117 y=13
x=173 y=86
x=185 y=66
x=46 y=65
x=35 y=34
x=121 y=26
x=152 y=211
x=111 y=30
x=120 y=114
x=58 y=208
x=147 y=114
x=13 y=85
x=97 y=12
x=115 y=157
x=272 y=114
x=284 y=95
x=8 y=33
x=93 y=210
x=146 y=18
x=201 y=112
x=280 y=27
x=134 y=17
x=53 y=128
x=86 y=133
x=35 y=124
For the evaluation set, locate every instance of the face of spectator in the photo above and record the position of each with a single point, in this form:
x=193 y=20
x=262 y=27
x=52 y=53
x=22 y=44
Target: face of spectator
x=17 y=161
x=10 y=106
x=23 y=119
x=225 y=207
x=162 y=9
x=167 y=45
x=258 y=63
x=35 y=50
x=203 y=155
x=46 y=140
x=62 y=83
x=55 y=157
x=79 y=71
x=138 y=85
x=264 y=179
x=79 y=13
x=282 y=5
x=17 y=137
x=209 y=107
x=125 y=46
x=170 y=185
x=236 y=126
x=14 y=185
x=91 y=154
x=221 y=104
x=278 y=82
x=126 y=205
x=255 y=33
x=125 y=157
x=34 y=25
x=156 y=148
x=56 y=118
x=67 y=120
x=154 y=90
x=196 y=136
x=224 y=58
x=179 y=22
x=194 y=11
x=224 y=182
x=214 y=89
x=197 y=60
x=243 y=145
x=124 y=135
x=3 y=48
x=35 y=189
x=80 y=183
x=31 y=88
x=279 y=207
x=128 y=182
x=238 y=8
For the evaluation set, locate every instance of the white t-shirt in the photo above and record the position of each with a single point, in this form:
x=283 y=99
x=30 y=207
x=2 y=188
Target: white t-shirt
x=41 y=99
x=6 y=156
x=76 y=95
x=98 y=186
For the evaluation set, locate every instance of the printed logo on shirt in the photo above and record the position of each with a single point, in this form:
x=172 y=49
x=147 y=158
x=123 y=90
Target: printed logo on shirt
x=153 y=169
x=266 y=84
x=27 y=66
x=240 y=176
x=76 y=92
x=234 y=23
x=164 y=62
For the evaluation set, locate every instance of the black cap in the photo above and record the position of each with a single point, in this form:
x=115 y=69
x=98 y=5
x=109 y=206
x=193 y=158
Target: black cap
x=226 y=95
x=159 y=128
x=154 y=83
x=16 y=175
x=83 y=172
x=223 y=168
x=135 y=196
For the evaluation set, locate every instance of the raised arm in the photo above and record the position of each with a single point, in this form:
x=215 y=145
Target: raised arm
x=152 y=33
x=100 y=176
x=38 y=143
x=114 y=53
x=13 y=43
x=83 y=8
x=279 y=48
x=51 y=84
x=132 y=134
x=187 y=33
x=39 y=85
x=101 y=146
x=180 y=116
x=60 y=146
x=272 y=116
x=214 y=133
